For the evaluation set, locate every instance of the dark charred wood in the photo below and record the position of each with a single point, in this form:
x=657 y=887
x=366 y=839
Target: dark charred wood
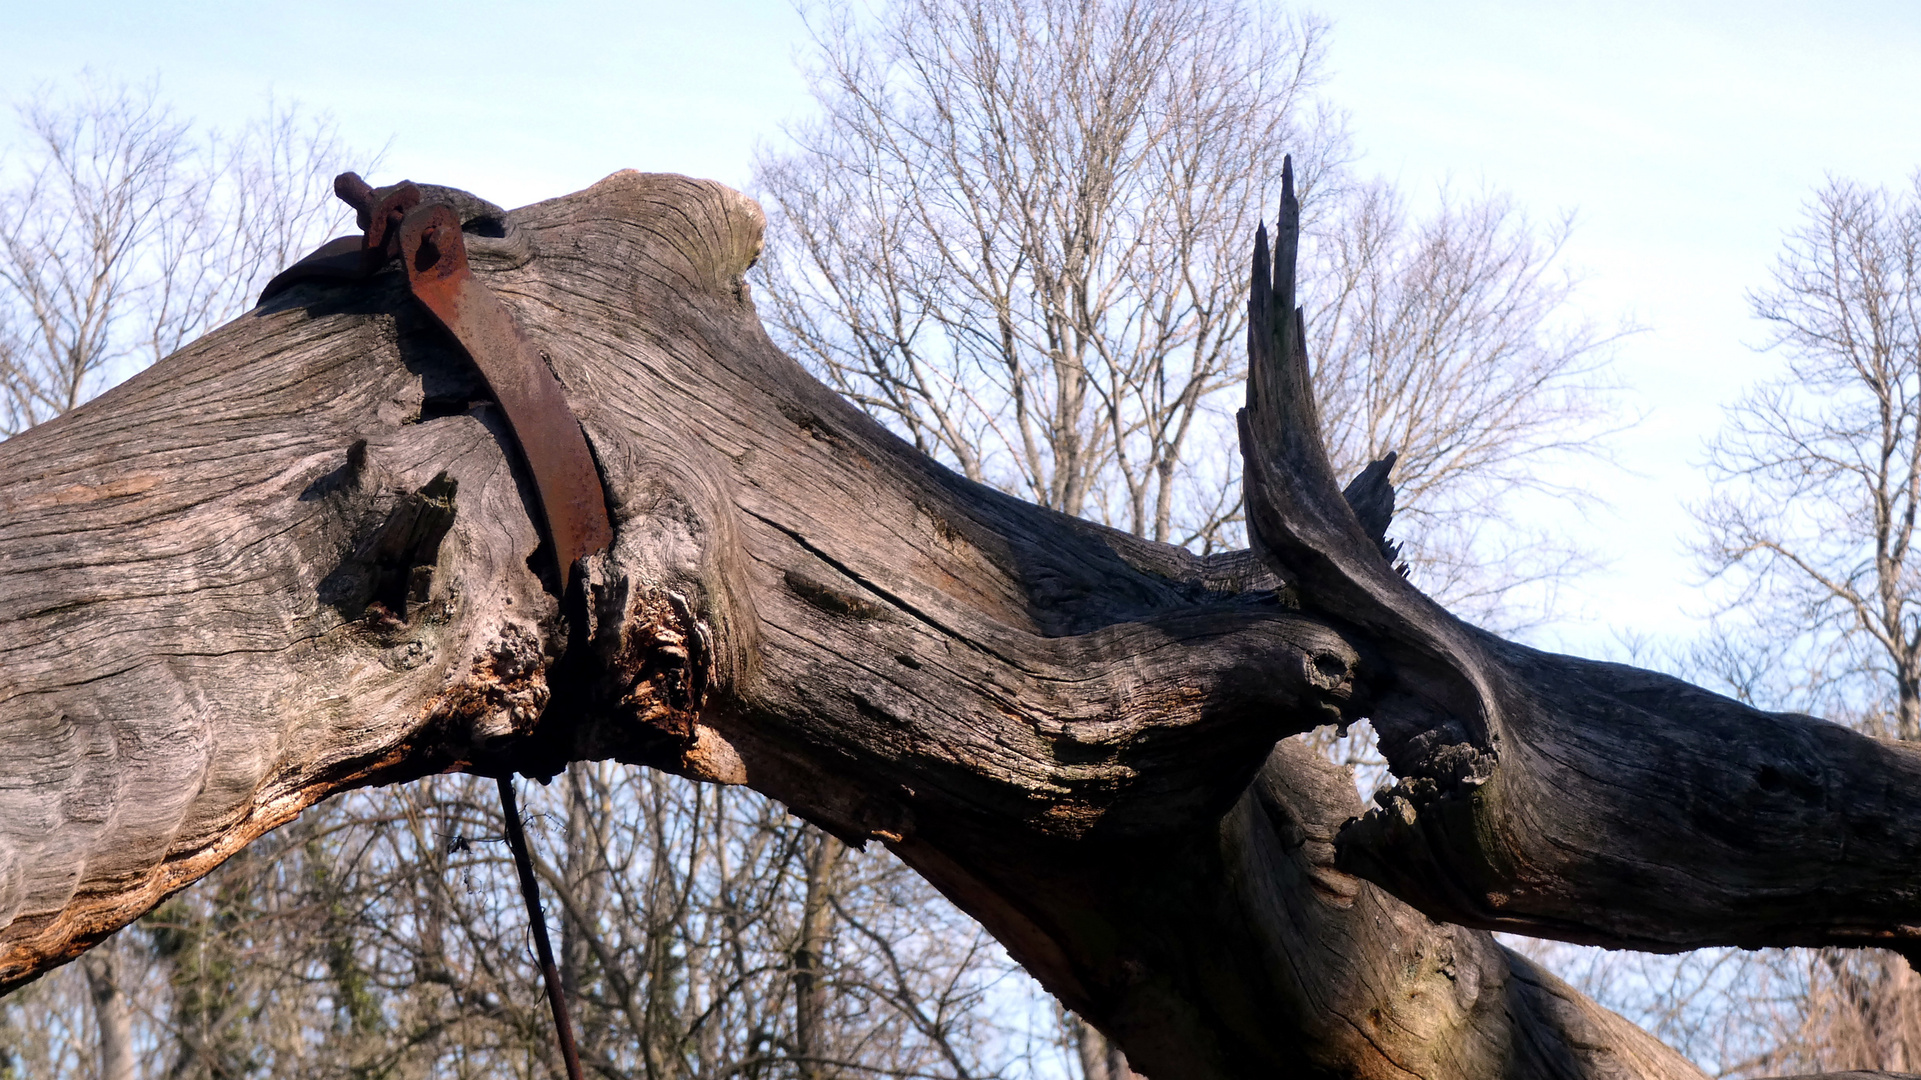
x=1371 y=496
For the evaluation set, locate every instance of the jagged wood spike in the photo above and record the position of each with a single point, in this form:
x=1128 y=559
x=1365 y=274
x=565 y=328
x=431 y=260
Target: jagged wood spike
x=1287 y=247
x=1260 y=297
x=1273 y=332
x=1371 y=494
x=1307 y=532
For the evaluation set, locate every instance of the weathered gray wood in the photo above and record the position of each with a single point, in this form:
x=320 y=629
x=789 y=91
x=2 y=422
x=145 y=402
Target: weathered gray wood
x=1562 y=797
x=1072 y=732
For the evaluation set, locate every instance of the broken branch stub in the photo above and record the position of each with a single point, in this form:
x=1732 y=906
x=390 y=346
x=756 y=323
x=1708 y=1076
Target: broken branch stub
x=1429 y=700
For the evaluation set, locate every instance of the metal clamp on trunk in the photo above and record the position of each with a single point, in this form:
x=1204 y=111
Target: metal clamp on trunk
x=426 y=238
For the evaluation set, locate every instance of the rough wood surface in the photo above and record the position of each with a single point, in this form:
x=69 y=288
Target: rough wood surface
x=295 y=557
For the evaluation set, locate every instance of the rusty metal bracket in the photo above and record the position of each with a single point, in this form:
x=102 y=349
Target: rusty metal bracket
x=571 y=498
x=427 y=240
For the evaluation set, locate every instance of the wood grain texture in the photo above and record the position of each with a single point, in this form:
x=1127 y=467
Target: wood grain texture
x=229 y=588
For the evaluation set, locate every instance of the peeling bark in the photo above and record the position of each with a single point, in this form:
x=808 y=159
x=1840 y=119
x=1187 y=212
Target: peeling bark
x=296 y=557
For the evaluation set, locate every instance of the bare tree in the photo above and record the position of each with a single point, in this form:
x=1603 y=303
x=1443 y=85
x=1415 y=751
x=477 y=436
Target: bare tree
x=1006 y=235
x=1819 y=472
x=1447 y=340
x=107 y=179
x=1097 y=1056
x=125 y=233
x=111 y=1013
x=1002 y=237
x=704 y=933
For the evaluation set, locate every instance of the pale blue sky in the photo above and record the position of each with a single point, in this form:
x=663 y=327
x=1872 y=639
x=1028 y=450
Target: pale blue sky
x=1685 y=134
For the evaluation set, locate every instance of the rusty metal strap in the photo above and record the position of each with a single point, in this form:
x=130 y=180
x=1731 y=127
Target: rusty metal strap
x=427 y=240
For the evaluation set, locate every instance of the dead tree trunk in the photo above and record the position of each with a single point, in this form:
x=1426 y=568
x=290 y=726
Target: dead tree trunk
x=113 y=1021
x=218 y=605
x=810 y=989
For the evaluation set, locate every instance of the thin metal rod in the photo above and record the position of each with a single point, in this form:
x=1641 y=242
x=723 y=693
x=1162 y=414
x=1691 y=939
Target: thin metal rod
x=530 y=889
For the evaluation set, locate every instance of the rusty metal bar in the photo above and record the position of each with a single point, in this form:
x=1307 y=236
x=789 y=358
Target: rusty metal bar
x=426 y=237
x=530 y=891
x=573 y=505
x=571 y=498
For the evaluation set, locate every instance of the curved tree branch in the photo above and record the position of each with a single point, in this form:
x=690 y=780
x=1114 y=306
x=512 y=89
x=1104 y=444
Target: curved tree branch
x=1071 y=732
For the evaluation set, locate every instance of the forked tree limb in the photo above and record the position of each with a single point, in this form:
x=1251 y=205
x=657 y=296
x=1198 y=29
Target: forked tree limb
x=1569 y=798
x=230 y=587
